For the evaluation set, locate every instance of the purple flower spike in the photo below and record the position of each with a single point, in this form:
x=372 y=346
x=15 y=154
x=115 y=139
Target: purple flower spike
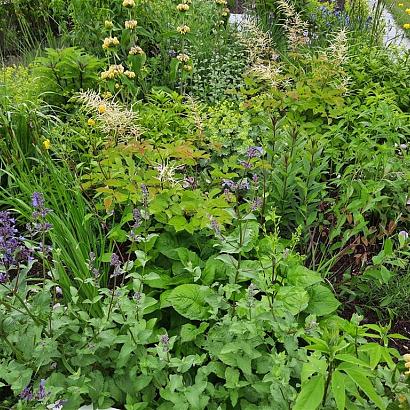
x=37 y=200
x=26 y=394
x=42 y=390
x=254 y=152
x=115 y=260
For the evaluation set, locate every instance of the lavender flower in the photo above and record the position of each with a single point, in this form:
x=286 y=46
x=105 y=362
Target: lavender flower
x=254 y=152
x=256 y=204
x=116 y=263
x=12 y=248
x=164 y=340
x=244 y=185
x=3 y=277
x=246 y=164
x=189 y=182
x=42 y=390
x=37 y=201
x=26 y=394
x=229 y=184
x=145 y=194
x=255 y=178
x=137 y=297
x=215 y=227
x=91 y=265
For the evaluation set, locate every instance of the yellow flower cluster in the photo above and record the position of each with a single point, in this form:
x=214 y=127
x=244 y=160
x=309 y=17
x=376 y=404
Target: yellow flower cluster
x=225 y=11
x=407 y=11
x=112 y=72
x=129 y=4
x=183 y=58
x=183 y=29
x=47 y=144
x=406 y=26
x=108 y=24
x=222 y=2
x=129 y=74
x=131 y=24
x=110 y=42
x=406 y=358
x=188 y=67
x=136 y=50
x=91 y=122
x=182 y=7
x=102 y=109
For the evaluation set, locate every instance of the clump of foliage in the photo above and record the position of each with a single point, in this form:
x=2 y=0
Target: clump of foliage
x=205 y=222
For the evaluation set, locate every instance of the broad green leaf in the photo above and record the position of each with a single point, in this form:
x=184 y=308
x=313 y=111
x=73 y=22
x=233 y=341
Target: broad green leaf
x=311 y=394
x=293 y=298
x=189 y=301
x=349 y=358
x=339 y=390
x=189 y=332
x=321 y=301
x=361 y=380
x=301 y=276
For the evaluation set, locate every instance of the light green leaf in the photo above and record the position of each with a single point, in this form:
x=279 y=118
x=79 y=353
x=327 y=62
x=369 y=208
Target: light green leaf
x=293 y=298
x=321 y=301
x=301 y=276
x=189 y=301
x=359 y=377
x=339 y=389
x=311 y=394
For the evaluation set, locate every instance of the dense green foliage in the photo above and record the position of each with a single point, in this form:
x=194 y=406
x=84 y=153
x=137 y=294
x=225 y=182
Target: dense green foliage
x=198 y=217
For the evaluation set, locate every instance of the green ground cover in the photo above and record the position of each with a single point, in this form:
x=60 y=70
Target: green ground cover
x=196 y=217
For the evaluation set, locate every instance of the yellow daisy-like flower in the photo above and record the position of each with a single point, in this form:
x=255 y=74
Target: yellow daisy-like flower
x=129 y=4
x=131 y=24
x=406 y=26
x=102 y=109
x=91 y=122
x=183 y=29
x=182 y=7
x=47 y=144
x=401 y=4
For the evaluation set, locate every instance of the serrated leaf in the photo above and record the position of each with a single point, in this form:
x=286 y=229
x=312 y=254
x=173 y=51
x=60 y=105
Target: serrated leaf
x=189 y=301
